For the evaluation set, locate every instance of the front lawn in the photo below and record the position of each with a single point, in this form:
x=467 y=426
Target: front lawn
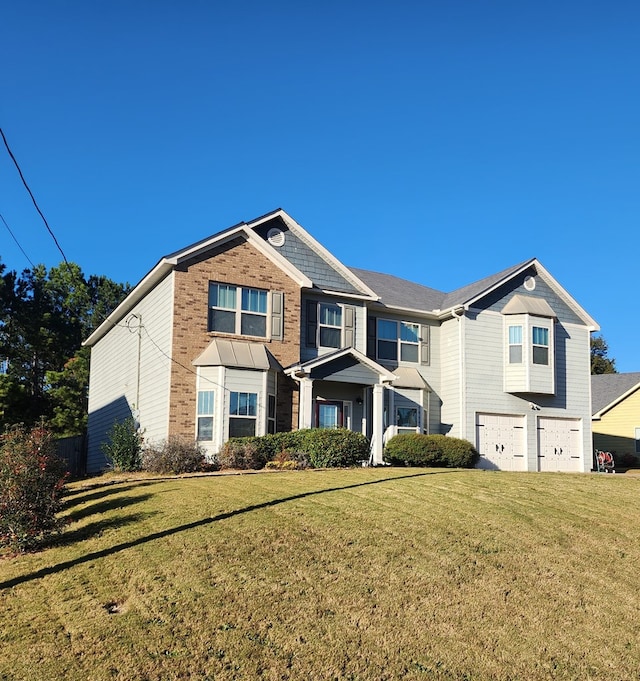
x=343 y=574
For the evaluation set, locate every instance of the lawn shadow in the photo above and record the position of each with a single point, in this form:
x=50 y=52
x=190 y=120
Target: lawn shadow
x=106 y=506
x=105 y=489
x=162 y=534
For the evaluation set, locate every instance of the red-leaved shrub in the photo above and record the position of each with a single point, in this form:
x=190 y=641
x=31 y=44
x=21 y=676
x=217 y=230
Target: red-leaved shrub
x=31 y=480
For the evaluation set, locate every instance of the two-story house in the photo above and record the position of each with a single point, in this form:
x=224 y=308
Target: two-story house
x=259 y=329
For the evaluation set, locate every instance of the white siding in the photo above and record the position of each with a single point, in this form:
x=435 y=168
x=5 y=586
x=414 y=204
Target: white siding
x=450 y=367
x=130 y=373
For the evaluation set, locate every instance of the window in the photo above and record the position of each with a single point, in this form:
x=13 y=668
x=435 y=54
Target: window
x=243 y=410
x=540 y=341
x=637 y=440
x=330 y=325
x=328 y=414
x=244 y=314
x=515 y=345
x=204 y=416
x=398 y=341
x=407 y=419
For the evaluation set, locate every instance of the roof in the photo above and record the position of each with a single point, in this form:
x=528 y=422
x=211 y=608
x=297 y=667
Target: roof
x=607 y=390
x=528 y=305
x=409 y=377
x=239 y=354
x=395 y=292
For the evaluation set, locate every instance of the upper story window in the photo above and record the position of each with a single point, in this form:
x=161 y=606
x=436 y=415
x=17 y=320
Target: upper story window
x=540 y=345
x=398 y=341
x=238 y=310
x=515 y=344
x=329 y=325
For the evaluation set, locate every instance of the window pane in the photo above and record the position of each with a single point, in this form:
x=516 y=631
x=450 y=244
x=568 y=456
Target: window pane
x=515 y=335
x=205 y=428
x=387 y=350
x=540 y=355
x=205 y=403
x=252 y=404
x=223 y=322
x=637 y=440
x=515 y=354
x=243 y=404
x=408 y=353
x=222 y=295
x=387 y=330
x=328 y=415
x=253 y=325
x=407 y=417
x=409 y=332
x=271 y=409
x=329 y=337
x=242 y=427
x=540 y=336
x=254 y=300
x=330 y=314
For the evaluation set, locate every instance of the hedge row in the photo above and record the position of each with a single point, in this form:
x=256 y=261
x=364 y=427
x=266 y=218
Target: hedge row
x=413 y=449
x=311 y=447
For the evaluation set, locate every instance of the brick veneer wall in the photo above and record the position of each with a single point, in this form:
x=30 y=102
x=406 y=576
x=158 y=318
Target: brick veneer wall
x=239 y=263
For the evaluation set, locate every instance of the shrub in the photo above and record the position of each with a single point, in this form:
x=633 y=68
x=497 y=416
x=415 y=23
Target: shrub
x=174 y=455
x=32 y=477
x=124 y=448
x=315 y=447
x=414 y=449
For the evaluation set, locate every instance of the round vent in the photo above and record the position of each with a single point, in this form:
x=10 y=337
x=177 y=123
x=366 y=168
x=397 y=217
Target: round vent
x=275 y=237
x=529 y=283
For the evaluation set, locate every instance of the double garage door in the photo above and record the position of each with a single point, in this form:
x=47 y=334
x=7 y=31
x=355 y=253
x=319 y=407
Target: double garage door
x=501 y=441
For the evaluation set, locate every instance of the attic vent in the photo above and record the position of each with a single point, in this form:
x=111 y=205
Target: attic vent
x=275 y=237
x=529 y=283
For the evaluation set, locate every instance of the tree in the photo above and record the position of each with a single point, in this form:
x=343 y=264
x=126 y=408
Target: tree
x=600 y=363
x=44 y=317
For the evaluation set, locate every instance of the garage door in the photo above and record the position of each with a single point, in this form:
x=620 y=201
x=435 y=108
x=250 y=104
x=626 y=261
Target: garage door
x=559 y=445
x=500 y=441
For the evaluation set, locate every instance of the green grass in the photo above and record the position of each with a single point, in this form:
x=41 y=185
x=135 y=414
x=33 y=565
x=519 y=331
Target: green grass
x=356 y=574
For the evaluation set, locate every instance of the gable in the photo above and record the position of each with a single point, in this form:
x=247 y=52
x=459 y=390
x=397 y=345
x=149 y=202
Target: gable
x=513 y=294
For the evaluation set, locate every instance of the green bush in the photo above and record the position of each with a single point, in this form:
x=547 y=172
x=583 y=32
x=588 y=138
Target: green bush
x=124 y=448
x=315 y=447
x=414 y=449
x=32 y=477
x=174 y=455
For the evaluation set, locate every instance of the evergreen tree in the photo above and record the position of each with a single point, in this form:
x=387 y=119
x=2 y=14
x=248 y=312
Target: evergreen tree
x=600 y=363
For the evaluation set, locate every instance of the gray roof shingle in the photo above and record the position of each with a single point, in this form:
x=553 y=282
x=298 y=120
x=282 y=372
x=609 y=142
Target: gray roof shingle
x=398 y=292
x=606 y=388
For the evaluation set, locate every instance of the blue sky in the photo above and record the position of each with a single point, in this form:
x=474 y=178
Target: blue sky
x=437 y=141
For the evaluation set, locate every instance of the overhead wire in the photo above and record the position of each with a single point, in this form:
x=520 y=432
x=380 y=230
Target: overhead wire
x=33 y=198
x=13 y=236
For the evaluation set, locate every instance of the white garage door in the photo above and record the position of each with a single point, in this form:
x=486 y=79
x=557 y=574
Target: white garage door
x=559 y=445
x=501 y=442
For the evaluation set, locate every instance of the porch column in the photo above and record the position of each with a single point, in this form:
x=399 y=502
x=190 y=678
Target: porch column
x=377 y=425
x=305 y=407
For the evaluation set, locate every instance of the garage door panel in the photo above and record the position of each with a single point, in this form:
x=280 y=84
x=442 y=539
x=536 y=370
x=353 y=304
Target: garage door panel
x=501 y=442
x=559 y=444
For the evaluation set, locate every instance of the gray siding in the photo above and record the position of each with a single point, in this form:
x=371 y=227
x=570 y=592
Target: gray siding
x=130 y=374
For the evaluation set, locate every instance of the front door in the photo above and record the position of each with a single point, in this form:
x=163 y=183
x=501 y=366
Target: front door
x=329 y=414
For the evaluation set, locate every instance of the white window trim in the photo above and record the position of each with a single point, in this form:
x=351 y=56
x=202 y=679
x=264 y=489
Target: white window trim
x=399 y=342
x=238 y=311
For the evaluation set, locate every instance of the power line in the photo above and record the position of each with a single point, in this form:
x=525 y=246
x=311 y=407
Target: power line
x=35 y=203
x=16 y=240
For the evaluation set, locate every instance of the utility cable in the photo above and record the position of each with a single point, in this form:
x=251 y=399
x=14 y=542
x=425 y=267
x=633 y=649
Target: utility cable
x=16 y=240
x=35 y=203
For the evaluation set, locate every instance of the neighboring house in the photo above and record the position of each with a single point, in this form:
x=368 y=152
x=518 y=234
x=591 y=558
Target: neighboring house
x=616 y=416
x=259 y=329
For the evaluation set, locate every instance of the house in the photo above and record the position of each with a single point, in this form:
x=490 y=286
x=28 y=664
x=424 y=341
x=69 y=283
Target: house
x=616 y=416
x=259 y=329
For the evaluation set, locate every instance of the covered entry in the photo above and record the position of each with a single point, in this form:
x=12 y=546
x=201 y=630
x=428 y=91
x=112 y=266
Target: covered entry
x=501 y=442
x=559 y=444
x=343 y=389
